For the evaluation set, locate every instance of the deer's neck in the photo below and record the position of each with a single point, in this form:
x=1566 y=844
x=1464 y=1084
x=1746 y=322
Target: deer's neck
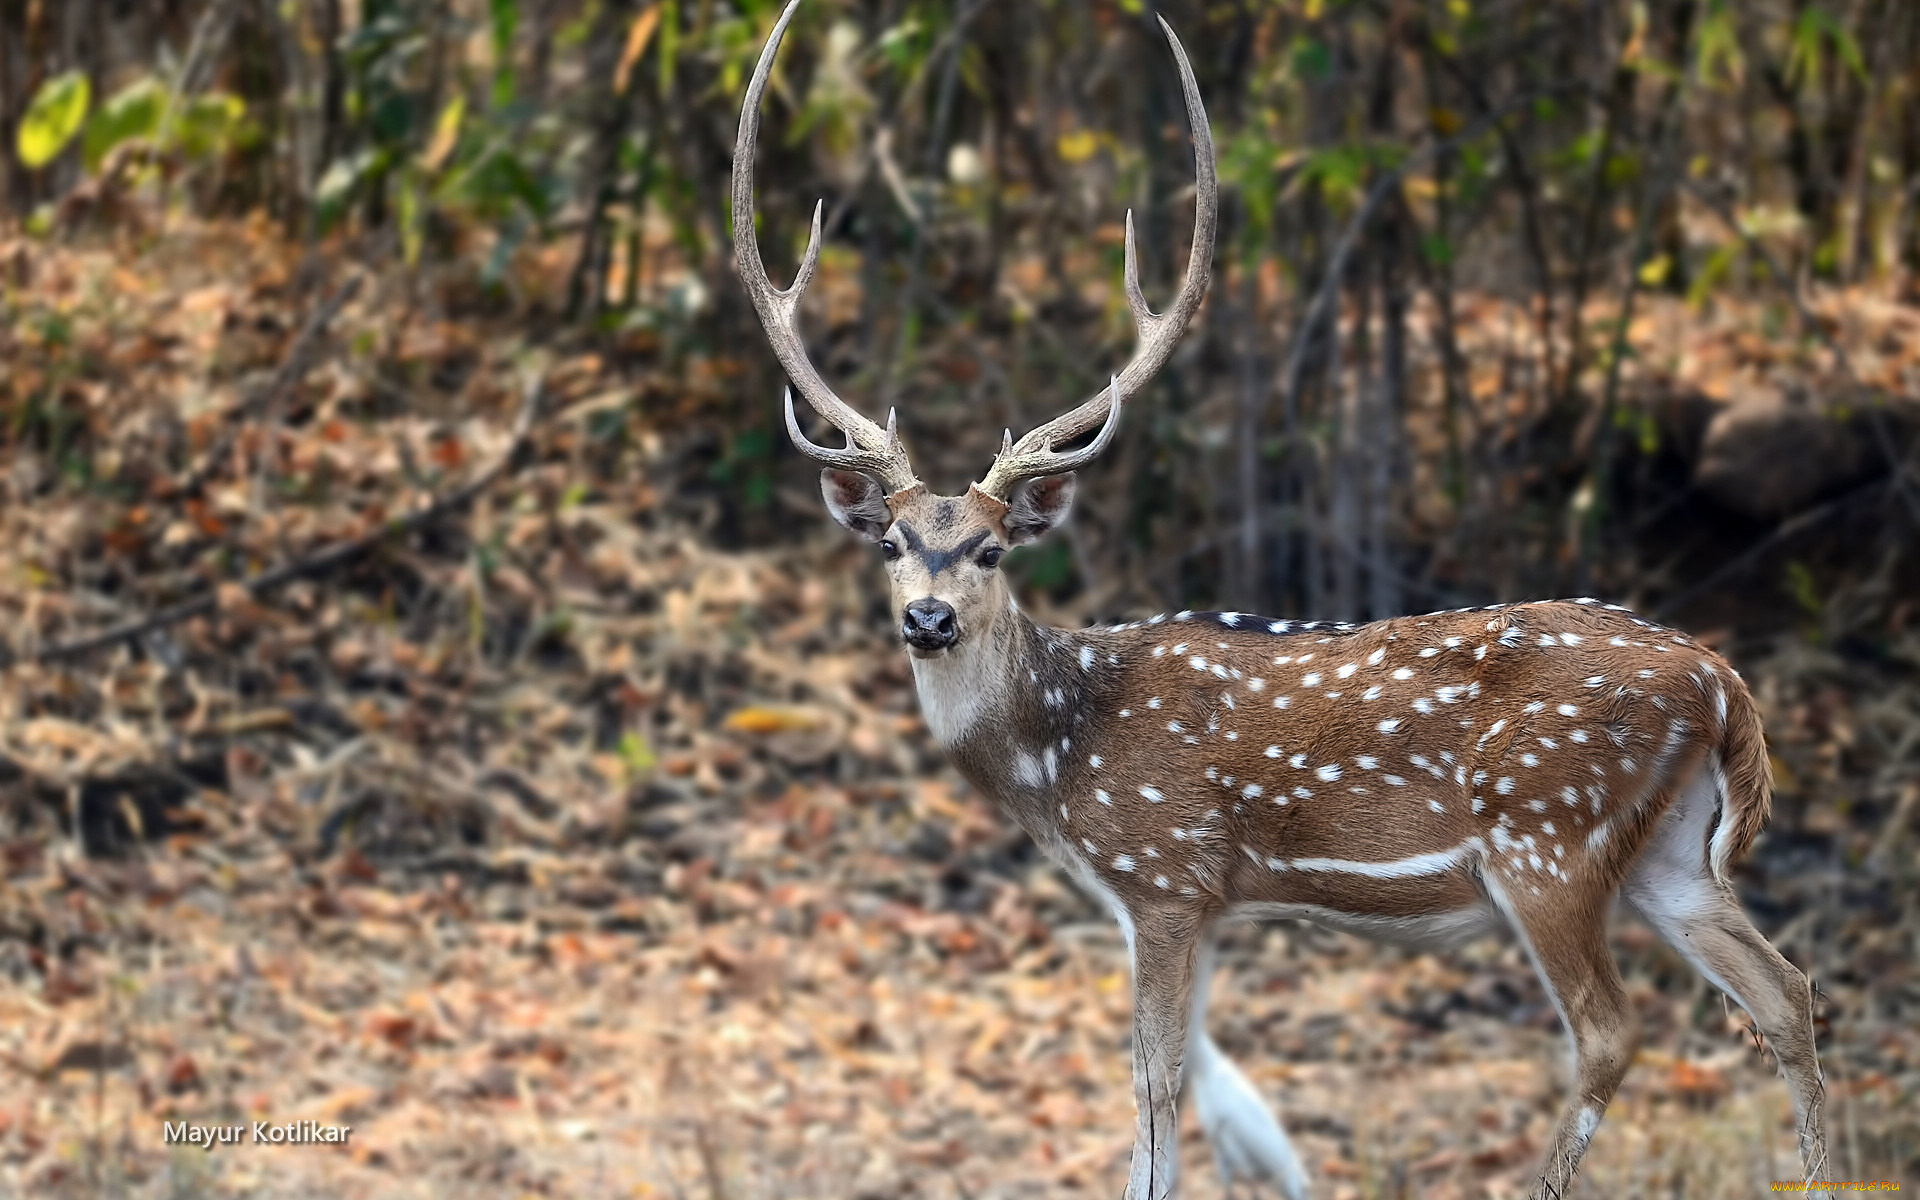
x=1007 y=705
x=968 y=691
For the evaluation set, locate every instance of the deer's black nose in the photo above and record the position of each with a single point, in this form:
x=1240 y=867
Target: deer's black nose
x=929 y=625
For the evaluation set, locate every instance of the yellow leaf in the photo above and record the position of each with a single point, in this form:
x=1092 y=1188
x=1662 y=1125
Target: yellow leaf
x=54 y=115
x=638 y=35
x=1655 y=271
x=446 y=131
x=1078 y=146
x=774 y=719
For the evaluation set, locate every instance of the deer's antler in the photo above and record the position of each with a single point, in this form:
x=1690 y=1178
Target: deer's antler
x=1034 y=454
x=870 y=448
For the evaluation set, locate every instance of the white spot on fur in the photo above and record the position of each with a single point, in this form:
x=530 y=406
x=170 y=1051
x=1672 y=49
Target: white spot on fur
x=1026 y=769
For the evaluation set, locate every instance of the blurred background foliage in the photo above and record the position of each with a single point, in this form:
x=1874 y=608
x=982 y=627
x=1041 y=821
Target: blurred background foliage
x=1512 y=297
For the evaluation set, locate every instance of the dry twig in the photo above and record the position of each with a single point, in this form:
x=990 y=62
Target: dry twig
x=322 y=560
x=292 y=369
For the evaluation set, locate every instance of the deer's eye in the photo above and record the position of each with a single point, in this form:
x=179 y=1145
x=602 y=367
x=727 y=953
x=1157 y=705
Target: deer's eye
x=889 y=551
x=990 y=557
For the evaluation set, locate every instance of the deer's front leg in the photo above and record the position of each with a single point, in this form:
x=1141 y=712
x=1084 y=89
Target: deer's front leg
x=1165 y=949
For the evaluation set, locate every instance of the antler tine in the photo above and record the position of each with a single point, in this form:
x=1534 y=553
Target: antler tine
x=1014 y=463
x=869 y=448
x=853 y=458
x=1158 y=332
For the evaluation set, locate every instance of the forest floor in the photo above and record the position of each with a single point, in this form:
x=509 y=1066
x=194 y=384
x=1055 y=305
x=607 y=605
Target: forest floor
x=559 y=853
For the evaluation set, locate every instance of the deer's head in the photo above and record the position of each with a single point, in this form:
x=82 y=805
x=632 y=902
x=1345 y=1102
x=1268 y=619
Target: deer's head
x=943 y=552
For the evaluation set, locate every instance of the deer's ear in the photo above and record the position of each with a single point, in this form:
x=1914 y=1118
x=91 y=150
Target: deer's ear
x=857 y=502
x=1039 y=505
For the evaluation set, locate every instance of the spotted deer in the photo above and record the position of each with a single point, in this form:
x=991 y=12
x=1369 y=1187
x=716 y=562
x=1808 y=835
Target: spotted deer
x=1426 y=780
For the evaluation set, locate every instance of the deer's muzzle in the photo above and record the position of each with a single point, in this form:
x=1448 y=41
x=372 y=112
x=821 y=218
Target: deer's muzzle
x=930 y=625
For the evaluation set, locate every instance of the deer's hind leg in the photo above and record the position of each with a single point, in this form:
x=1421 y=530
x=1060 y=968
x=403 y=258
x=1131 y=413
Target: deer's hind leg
x=1673 y=887
x=1568 y=946
x=1248 y=1142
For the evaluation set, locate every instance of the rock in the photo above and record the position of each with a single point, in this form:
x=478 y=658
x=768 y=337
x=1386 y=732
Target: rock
x=1771 y=452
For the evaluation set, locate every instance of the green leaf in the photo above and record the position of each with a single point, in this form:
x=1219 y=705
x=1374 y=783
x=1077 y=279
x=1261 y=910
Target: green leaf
x=1311 y=59
x=130 y=113
x=669 y=43
x=1717 y=57
x=1848 y=49
x=504 y=19
x=412 y=220
x=636 y=753
x=1712 y=273
x=1815 y=27
x=210 y=125
x=52 y=118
